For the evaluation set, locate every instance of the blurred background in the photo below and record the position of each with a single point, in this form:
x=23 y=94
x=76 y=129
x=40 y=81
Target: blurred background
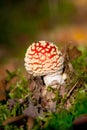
x=25 y=21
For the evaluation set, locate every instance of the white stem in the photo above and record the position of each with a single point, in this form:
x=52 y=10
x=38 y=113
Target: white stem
x=54 y=78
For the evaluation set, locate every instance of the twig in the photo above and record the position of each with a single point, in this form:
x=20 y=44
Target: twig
x=30 y=123
x=21 y=100
x=71 y=90
x=13 y=119
x=64 y=100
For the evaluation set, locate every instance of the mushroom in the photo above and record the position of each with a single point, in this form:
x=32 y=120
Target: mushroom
x=43 y=58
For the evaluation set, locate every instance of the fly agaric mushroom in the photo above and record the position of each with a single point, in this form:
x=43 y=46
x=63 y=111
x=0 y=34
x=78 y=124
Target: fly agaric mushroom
x=44 y=59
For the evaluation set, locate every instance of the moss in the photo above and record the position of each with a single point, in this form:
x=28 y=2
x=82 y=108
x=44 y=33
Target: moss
x=19 y=95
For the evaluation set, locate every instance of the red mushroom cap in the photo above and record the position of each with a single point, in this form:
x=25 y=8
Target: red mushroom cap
x=43 y=58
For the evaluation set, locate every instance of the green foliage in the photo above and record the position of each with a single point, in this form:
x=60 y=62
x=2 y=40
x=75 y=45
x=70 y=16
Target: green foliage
x=4 y=112
x=81 y=62
x=61 y=121
x=13 y=106
x=80 y=104
x=10 y=75
x=20 y=89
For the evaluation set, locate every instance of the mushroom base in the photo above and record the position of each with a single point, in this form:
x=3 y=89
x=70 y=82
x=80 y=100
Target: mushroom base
x=54 y=78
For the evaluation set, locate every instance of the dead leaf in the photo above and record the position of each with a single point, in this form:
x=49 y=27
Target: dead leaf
x=80 y=119
x=2 y=73
x=31 y=111
x=11 y=103
x=30 y=123
x=31 y=85
x=74 y=52
x=71 y=50
x=13 y=119
x=2 y=90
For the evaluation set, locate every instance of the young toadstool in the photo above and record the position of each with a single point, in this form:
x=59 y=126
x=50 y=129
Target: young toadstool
x=44 y=59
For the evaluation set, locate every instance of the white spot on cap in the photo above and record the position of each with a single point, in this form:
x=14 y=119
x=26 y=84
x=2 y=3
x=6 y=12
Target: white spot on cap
x=42 y=57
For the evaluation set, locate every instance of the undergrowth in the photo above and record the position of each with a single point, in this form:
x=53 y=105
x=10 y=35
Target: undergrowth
x=16 y=102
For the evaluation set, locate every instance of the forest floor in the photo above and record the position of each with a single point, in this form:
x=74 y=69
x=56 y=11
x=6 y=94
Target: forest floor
x=12 y=73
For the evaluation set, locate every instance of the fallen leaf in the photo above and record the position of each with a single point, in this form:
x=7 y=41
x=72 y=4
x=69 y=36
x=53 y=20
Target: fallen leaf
x=2 y=90
x=31 y=111
x=71 y=50
x=80 y=119
x=30 y=123
x=13 y=119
